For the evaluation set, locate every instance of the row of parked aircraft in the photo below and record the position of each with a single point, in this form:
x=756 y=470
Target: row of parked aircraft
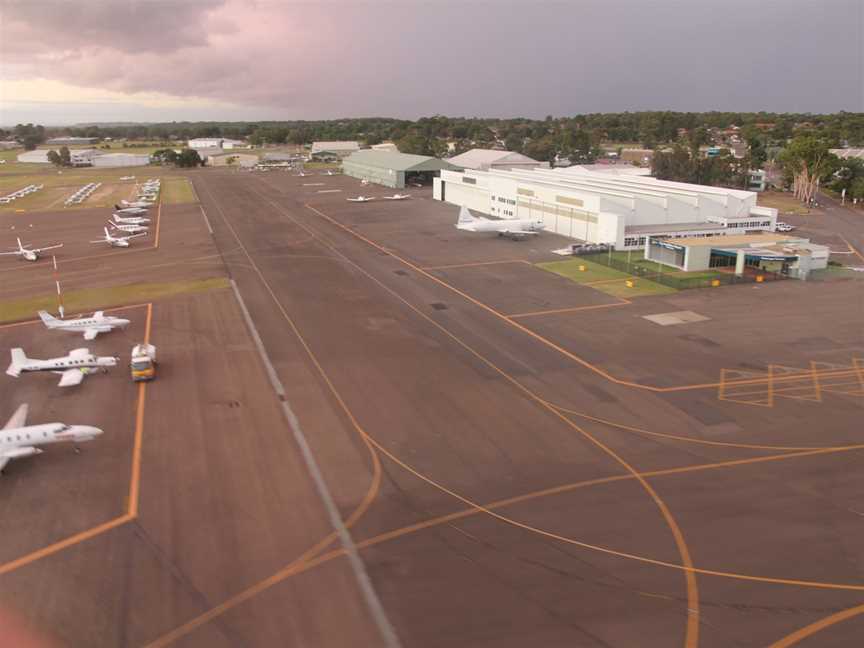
x=17 y=439
x=361 y=198
x=128 y=223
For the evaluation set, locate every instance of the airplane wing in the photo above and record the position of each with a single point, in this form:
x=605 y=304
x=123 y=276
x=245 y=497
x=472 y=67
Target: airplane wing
x=19 y=419
x=5 y=253
x=71 y=377
x=91 y=333
x=50 y=247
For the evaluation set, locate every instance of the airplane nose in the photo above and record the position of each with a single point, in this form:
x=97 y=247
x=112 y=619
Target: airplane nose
x=86 y=431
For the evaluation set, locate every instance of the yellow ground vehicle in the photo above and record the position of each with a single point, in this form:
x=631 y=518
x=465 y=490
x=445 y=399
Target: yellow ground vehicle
x=143 y=363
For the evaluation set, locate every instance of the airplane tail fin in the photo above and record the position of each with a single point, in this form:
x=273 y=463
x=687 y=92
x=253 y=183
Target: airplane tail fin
x=465 y=216
x=19 y=359
x=47 y=317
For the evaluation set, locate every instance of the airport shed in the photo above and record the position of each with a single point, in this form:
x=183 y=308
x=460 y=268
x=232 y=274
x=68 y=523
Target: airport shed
x=485 y=159
x=335 y=148
x=393 y=169
x=232 y=159
x=121 y=160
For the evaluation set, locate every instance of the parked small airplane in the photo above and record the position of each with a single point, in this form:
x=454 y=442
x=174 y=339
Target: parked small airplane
x=17 y=439
x=360 y=199
x=329 y=172
x=302 y=174
x=72 y=368
x=130 y=220
x=141 y=204
x=514 y=228
x=131 y=229
x=398 y=197
x=90 y=326
x=30 y=254
x=117 y=241
x=129 y=211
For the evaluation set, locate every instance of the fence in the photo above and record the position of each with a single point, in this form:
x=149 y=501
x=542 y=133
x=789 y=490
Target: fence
x=681 y=281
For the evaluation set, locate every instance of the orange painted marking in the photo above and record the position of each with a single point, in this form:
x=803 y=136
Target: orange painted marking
x=135 y=477
x=52 y=549
x=555 y=311
x=475 y=265
x=813 y=628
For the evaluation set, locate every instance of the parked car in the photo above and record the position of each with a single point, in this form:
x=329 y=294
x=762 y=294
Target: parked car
x=783 y=227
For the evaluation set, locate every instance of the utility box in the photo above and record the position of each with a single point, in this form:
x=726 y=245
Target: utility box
x=143 y=362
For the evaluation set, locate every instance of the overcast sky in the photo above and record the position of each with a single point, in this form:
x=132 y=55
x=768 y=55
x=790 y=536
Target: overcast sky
x=155 y=60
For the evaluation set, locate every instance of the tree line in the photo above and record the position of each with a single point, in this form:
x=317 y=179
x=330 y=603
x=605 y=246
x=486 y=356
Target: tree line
x=578 y=136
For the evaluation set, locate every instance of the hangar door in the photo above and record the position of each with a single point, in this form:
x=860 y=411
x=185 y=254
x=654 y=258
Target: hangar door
x=471 y=197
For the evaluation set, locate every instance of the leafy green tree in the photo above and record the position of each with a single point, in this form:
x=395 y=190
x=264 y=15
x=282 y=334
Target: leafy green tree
x=513 y=142
x=806 y=162
x=188 y=159
x=54 y=158
x=65 y=156
x=164 y=156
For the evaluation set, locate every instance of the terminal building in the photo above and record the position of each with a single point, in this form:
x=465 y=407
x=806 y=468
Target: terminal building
x=778 y=253
x=393 y=169
x=611 y=208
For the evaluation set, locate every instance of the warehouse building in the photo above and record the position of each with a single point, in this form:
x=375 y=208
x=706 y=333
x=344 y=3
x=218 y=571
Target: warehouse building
x=71 y=141
x=332 y=150
x=594 y=207
x=77 y=157
x=121 y=160
x=227 y=158
x=385 y=146
x=216 y=142
x=486 y=159
x=778 y=253
x=393 y=169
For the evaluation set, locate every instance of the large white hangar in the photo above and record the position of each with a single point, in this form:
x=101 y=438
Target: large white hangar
x=393 y=169
x=597 y=207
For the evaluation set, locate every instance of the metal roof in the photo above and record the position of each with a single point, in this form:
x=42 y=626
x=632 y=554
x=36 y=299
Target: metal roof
x=397 y=161
x=484 y=158
x=320 y=147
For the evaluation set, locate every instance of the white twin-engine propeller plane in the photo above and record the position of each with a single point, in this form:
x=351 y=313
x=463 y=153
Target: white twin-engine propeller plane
x=129 y=228
x=360 y=199
x=398 y=196
x=129 y=211
x=117 y=241
x=135 y=204
x=130 y=220
x=515 y=228
x=29 y=253
x=89 y=326
x=72 y=368
x=19 y=440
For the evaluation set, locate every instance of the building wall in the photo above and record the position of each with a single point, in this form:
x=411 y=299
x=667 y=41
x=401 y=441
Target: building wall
x=378 y=175
x=38 y=156
x=120 y=160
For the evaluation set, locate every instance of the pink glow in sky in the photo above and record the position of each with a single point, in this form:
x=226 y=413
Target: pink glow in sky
x=239 y=59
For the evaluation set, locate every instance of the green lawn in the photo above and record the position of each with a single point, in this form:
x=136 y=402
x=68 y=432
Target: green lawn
x=95 y=298
x=613 y=281
x=592 y=272
x=177 y=190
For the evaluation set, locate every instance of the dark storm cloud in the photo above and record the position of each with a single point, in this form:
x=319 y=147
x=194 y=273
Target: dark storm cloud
x=411 y=58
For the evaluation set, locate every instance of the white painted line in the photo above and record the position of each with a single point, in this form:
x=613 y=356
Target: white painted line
x=372 y=600
x=328 y=191
x=313 y=184
x=206 y=220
